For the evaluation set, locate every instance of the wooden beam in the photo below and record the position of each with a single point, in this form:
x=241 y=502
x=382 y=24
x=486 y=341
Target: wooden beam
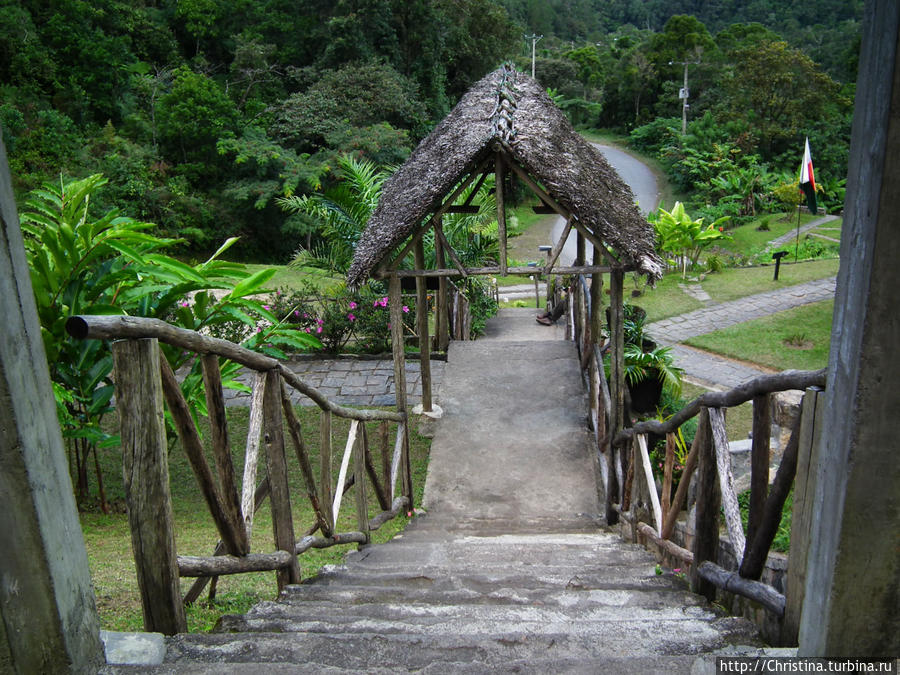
x=731 y=582
x=325 y=489
x=146 y=474
x=759 y=464
x=221 y=445
x=542 y=194
x=422 y=330
x=214 y=566
x=193 y=449
x=342 y=474
x=641 y=441
x=494 y=271
x=441 y=317
x=706 y=509
x=448 y=249
x=463 y=208
x=279 y=491
x=251 y=454
x=499 y=172
x=558 y=246
x=303 y=460
x=726 y=483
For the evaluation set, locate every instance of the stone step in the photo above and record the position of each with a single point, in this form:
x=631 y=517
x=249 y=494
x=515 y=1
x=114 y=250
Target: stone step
x=464 y=557
x=611 y=577
x=347 y=595
x=461 y=619
x=491 y=648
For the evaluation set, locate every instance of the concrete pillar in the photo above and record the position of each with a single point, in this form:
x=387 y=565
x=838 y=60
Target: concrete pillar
x=48 y=620
x=852 y=596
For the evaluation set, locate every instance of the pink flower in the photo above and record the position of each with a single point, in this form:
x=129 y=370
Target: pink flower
x=266 y=307
x=351 y=317
x=319 y=329
x=405 y=309
x=352 y=305
x=305 y=315
x=185 y=303
x=258 y=329
x=307 y=329
x=296 y=312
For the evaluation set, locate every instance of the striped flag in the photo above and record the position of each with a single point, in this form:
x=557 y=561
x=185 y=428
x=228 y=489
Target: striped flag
x=808 y=180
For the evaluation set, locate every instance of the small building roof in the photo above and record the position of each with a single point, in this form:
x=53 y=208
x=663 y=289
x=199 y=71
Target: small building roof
x=509 y=111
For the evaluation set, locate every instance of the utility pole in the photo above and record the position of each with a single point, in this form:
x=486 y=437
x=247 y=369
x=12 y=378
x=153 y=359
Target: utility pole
x=684 y=92
x=534 y=40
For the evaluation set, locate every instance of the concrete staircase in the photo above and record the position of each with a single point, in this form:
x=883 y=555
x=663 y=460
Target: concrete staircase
x=474 y=599
x=509 y=571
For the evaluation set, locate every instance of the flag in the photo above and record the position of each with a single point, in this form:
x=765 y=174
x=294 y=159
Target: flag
x=807 y=180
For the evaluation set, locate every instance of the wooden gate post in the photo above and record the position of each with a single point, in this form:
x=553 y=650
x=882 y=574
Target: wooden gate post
x=400 y=377
x=145 y=468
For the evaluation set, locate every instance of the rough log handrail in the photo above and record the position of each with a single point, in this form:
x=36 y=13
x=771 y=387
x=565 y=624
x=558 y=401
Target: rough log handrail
x=99 y=327
x=764 y=384
x=233 y=514
x=716 y=481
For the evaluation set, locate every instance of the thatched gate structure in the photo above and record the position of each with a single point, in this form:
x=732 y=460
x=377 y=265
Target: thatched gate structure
x=506 y=125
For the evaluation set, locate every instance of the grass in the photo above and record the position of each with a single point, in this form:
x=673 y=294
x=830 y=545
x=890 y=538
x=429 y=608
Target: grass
x=748 y=238
x=108 y=539
x=797 y=338
x=293 y=278
x=738 y=420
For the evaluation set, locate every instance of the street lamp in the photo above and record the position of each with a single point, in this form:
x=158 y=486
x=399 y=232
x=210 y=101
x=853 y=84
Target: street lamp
x=684 y=92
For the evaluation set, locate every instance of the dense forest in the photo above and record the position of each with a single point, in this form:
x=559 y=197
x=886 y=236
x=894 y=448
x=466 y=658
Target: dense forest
x=200 y=112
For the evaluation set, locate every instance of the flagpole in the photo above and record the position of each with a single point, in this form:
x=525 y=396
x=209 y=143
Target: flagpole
x=797 y=240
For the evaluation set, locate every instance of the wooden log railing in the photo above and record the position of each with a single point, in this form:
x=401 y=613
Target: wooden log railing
x=144 y=379
x=635 y=498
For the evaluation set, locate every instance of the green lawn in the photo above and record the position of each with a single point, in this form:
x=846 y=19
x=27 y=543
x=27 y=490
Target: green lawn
x=797 y=338
x=108 y=539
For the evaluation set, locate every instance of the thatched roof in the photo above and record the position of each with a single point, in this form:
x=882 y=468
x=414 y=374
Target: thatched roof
x=510 y=110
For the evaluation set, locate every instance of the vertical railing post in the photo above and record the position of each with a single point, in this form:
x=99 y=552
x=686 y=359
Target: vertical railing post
x=759 y=464
x=279 y=492
x=706 y=509
x=145 y=469
x=325 y=480
x=359 y=470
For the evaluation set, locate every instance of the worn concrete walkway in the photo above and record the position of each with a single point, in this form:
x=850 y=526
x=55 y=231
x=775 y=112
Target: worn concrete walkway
x=517 y=392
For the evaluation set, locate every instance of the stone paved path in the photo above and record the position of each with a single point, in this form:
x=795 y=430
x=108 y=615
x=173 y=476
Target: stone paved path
x=716 y=371
x=792 y=235
x=355 y=382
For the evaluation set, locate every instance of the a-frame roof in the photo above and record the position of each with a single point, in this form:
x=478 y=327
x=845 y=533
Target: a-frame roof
x=509 y=112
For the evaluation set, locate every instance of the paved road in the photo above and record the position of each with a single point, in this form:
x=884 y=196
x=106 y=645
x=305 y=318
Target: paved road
x=636 y=174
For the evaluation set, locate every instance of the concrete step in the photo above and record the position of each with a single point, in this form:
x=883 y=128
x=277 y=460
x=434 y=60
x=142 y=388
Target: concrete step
x=491 y=648
x=347 y=595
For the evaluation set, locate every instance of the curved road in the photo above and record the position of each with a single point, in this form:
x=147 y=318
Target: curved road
x=636 y=174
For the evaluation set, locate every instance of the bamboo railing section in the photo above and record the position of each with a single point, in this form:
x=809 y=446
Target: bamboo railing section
x=144 y=379
x=630 y=487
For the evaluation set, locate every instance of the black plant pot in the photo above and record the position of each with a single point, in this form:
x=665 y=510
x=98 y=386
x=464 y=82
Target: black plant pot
x=645 y=394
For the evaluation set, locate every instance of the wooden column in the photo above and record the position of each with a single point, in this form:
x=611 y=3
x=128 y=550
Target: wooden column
x=396 y=309
x=279 y=492
x=145 y=469
x=359 y=471
x=706 y=510
x=499 y=176
x=48 y=620
x=617 y=351
x=441 y=315
x=579 y=248
x=422 y=328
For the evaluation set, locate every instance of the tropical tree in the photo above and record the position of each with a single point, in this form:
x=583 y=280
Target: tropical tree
x=81 y=264
x=341 y=213
x=683 y=237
